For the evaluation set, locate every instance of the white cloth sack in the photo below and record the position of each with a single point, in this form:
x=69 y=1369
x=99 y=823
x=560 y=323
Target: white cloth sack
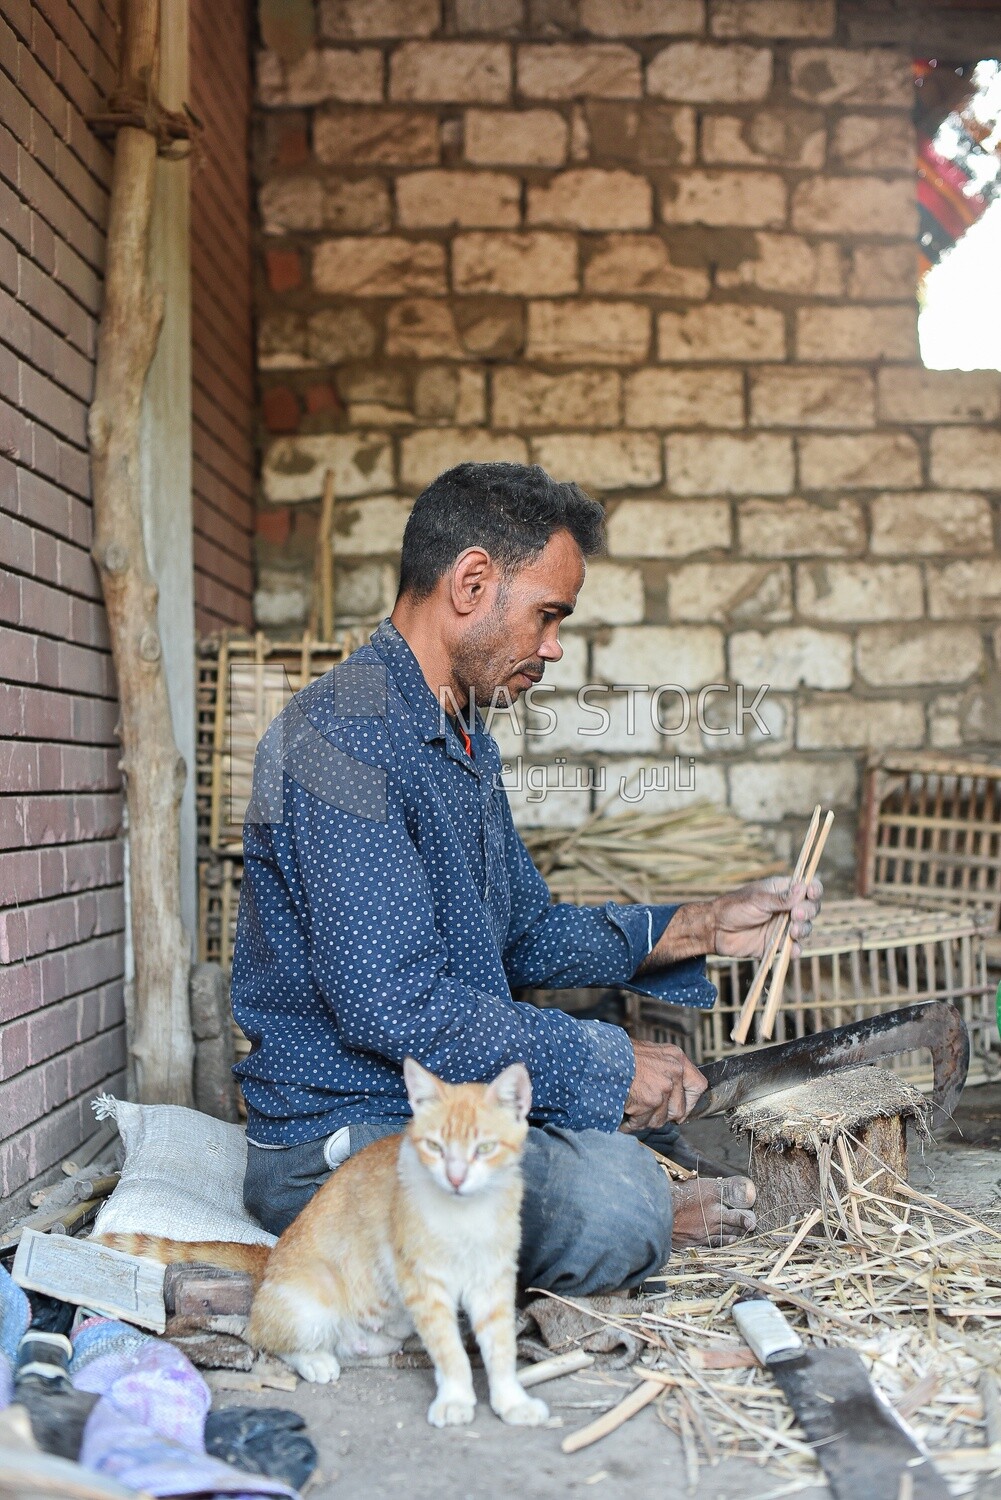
x=182 y=1178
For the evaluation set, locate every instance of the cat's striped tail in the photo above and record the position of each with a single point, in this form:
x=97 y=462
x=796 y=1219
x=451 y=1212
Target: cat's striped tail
x=229 y=1256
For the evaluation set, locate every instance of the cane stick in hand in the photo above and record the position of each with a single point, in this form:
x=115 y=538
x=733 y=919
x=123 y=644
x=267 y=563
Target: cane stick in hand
x=743 y=1026
x=785 y=953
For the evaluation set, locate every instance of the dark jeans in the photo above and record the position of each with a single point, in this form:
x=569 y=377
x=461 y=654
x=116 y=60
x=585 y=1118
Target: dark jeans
x=597 y=1209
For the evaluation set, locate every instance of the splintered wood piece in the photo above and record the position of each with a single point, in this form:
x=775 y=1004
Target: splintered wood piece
x=553 y=1369
x=91 y=1148
x=743 y=1026
x=610 y=1420
x=785 y=953
x=61 y=1213
x=724 y=1359
x=201 y=1292
x=991 y=1397
x=208 y=1350
x=809 y=1223
x=263 y=1376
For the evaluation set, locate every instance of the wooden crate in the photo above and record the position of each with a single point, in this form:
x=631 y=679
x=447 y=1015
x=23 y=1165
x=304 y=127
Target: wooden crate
x=930 y=834
x=243 y=682
x=863 y=957
x=219 y=878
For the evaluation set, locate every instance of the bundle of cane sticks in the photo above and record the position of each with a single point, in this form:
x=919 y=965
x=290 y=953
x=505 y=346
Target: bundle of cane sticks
x=778 y=949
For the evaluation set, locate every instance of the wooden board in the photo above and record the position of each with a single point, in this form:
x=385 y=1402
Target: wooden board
x=121 y=1286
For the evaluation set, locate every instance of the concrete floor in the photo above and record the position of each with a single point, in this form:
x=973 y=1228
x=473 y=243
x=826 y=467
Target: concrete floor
x=375 y=1443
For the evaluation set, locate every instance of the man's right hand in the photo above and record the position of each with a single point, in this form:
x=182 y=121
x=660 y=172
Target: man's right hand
x=665 y=1086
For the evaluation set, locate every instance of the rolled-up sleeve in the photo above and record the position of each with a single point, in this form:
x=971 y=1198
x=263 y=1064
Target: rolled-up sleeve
x=561 y=946
x=381 y=966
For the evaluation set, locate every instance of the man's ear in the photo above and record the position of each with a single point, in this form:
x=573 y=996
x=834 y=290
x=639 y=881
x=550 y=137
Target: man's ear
x=512 y=1089
x=422 y=1087
x=472 y=571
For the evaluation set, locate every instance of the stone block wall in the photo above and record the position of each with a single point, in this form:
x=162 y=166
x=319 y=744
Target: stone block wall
x=664 y=248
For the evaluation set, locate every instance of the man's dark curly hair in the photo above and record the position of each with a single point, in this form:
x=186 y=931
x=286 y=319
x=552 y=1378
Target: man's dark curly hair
x=510 y=510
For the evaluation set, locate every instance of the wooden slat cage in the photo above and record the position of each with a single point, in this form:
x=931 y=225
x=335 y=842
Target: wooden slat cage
x=243 y=683
x=930 y=835
x=864 y=957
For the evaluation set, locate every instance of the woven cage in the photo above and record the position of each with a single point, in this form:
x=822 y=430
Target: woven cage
x=243 y=683
x=863 y=957
x=219 y=901
x=930 y=835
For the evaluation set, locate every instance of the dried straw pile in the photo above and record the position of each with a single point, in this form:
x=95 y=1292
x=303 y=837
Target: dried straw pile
x=910 y=1283
x=651 y=857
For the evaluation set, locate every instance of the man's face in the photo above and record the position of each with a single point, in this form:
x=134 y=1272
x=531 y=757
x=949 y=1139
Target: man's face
x=507 y=646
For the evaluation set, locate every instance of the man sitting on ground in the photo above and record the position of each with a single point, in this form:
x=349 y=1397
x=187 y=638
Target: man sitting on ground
x=389 y=908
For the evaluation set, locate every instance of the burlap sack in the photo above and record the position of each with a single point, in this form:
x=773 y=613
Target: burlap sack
x=182 y=1178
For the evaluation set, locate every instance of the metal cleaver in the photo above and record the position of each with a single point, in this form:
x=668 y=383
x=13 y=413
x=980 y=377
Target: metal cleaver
x=866 y=1451
x=935 y=1026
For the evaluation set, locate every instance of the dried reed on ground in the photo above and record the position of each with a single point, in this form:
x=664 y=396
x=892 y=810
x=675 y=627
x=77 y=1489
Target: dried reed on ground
x=911 y=1283
x=651 y=857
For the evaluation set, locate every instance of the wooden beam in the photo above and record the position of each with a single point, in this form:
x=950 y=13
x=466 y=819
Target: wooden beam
x=155 y=773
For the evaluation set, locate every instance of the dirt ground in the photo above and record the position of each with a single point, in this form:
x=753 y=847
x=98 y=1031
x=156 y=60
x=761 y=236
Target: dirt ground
x=375 y=1443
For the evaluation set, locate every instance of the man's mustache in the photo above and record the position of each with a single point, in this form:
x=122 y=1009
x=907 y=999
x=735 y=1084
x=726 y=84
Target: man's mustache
x=534 y=669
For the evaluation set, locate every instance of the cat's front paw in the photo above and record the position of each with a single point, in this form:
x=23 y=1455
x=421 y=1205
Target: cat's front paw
x=451 y=1411
x=319 y=1367
x=523 y=1411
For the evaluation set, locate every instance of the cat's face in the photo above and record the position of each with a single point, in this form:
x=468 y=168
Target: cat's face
x=465 y=1134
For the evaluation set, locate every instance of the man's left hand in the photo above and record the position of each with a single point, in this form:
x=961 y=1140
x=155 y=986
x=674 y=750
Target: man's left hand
x=744 y=919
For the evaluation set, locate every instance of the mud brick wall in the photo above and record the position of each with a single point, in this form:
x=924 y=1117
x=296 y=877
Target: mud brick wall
x=222 y=342
x=61 y=907
x=667 y=250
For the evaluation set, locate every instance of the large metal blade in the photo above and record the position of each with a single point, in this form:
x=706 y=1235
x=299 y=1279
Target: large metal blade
x=935 y=1026
x=862 y=1445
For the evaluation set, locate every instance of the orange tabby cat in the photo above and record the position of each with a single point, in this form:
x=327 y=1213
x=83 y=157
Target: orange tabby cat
x=401 y=1237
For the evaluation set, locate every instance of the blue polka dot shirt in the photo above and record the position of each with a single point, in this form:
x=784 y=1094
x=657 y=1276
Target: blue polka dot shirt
x=389 y=907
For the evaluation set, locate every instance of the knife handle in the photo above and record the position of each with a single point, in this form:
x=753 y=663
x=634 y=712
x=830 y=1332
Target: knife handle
x=766 y=1330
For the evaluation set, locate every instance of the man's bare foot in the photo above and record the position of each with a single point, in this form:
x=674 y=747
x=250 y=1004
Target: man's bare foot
x=712 y=1211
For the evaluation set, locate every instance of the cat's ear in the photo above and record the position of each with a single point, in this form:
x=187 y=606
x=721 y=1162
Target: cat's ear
x=422 y=1087
x=513 y=1090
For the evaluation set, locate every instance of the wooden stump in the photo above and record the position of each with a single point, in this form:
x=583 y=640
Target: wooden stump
x=797 y=1138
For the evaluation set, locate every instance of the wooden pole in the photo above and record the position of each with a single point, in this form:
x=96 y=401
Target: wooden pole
x=321 y=615
x=153 y=770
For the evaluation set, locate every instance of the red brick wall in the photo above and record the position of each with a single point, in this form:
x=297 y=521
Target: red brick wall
x=62 y=1033
x=222 y=340
x=61 y=907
